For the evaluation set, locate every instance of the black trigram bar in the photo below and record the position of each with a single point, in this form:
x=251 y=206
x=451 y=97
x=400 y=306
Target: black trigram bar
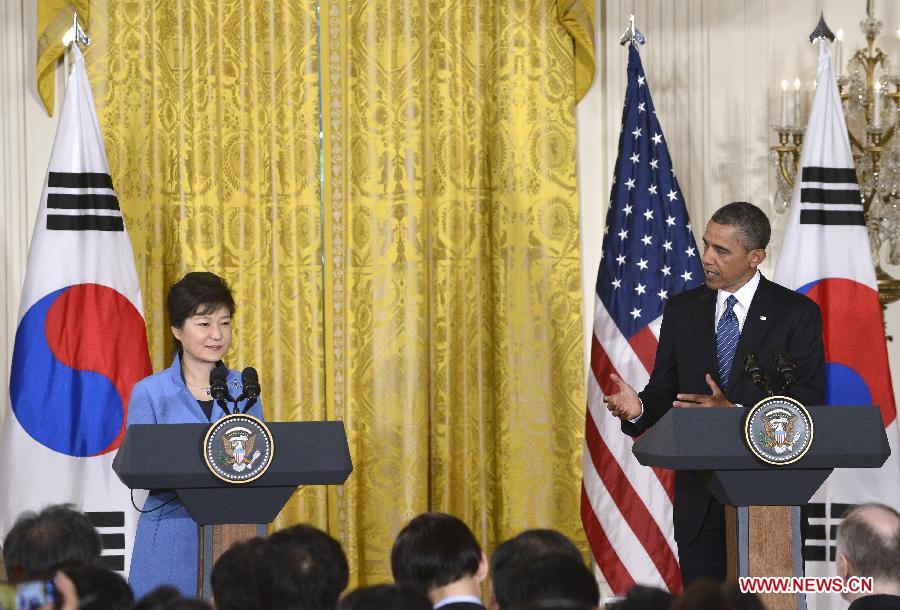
x=88 y=201
x=113 y=541
x=116 y=563
x=107 y=519
x=831 y=217
x=84 y=223
x=80 y=180
x=816 y=532
x=841 y=175
x=838 y=510
x=812 y=195
x=817 y=553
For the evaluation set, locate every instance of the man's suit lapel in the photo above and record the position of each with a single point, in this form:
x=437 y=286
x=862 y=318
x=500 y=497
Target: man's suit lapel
x=706 y=332
x=756 y=325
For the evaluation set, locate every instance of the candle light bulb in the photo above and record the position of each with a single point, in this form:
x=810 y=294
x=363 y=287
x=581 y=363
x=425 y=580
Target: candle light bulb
x=839 y=36
x=796 y=84
x=878 y=85
x=784 y=85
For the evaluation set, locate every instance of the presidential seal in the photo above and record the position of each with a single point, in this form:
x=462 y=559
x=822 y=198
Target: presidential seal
x=778 y=430
x=238 y=448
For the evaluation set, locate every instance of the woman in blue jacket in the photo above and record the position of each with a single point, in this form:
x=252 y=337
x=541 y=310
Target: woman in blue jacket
x=200 y=308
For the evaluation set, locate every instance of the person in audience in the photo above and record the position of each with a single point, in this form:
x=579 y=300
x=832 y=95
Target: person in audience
x=159 y=598
x=93 y=587
x=706 y=594
x=868 y=545
x=385 y=597
x=437 y=555
x=528 y=544
x=233 y=576
x=39 y=542
x=551 y=580
x=300 y=568
x=640 y=597
x=200 y=308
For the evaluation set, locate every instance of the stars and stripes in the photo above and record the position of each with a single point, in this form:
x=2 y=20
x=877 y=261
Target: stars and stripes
x=649 y=254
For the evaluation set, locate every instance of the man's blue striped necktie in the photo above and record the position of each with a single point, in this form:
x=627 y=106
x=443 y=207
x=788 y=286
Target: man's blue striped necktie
x=728 y=332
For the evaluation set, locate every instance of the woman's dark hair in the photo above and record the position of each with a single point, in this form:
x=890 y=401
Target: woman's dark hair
x=198 y=292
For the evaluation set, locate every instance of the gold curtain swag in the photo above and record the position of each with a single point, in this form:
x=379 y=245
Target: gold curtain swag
x=54 y=17
x=422 y=283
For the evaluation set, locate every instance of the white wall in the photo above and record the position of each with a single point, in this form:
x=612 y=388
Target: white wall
x=714 y=71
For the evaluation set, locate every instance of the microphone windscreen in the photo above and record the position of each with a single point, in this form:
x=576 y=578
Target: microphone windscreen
x=218 y=383
x=250 y=381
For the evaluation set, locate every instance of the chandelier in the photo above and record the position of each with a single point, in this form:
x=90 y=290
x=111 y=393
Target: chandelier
x=870 y=95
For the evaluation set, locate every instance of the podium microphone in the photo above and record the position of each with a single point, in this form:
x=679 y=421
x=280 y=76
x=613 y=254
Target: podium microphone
x=218 y=387
x=755 y=371
x=250 y=381
x=787 y=371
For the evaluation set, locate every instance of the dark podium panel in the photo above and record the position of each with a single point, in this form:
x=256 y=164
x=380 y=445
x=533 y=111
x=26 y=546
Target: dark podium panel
x=712 y=439
x=169 y=456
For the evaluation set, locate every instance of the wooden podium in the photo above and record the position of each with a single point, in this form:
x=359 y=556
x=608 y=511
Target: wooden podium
x=711 y=440
x=170 y=456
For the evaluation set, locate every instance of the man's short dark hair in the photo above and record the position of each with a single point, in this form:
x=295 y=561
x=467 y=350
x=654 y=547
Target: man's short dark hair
x=552 y=580
x=39 y=542
x=640 y=597
x=300 y=568
x=385 y=597
x=873 y=551
x=434 y=550
x=233 y=576
x=751 y=223
x=527 y=545
x=705 y=594
x=99 y=588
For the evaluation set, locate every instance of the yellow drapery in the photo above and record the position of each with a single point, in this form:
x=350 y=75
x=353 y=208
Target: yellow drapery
x=453 y=284
x=430 y=295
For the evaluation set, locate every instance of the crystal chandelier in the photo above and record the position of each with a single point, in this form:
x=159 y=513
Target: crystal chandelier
x=870 y=93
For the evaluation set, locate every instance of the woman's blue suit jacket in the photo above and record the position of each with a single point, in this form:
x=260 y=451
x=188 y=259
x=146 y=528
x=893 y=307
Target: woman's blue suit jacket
x=165 y=547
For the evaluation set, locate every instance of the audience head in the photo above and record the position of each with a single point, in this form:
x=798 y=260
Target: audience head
x=385 y=597
x=640 y=597
x=300 y=568
x=98 y=588
x=552 y=580
x=159 y=598
x=233 y=576
x=527 y=545
x=868 y=544
x=38 y=542
x=705 y=594
x=436 y=551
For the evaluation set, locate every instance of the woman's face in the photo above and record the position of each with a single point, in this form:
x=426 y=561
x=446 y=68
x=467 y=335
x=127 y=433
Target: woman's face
x=205 y=337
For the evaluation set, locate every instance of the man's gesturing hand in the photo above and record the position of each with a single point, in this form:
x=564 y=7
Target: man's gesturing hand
x=625 y=404
x=717 y=399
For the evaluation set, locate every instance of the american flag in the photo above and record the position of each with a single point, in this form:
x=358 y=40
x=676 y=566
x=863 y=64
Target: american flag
x=649 y=255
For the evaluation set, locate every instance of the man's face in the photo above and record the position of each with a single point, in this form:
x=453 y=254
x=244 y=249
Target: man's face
x=727 y=265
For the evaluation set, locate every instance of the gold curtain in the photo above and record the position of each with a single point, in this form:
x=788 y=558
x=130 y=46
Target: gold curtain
x=430 y=294
x=209 y=112
x=453 y=282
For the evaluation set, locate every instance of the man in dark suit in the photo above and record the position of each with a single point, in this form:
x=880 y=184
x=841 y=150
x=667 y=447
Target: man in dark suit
x=437 y=555
x=706 y=334
x=868 y=546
